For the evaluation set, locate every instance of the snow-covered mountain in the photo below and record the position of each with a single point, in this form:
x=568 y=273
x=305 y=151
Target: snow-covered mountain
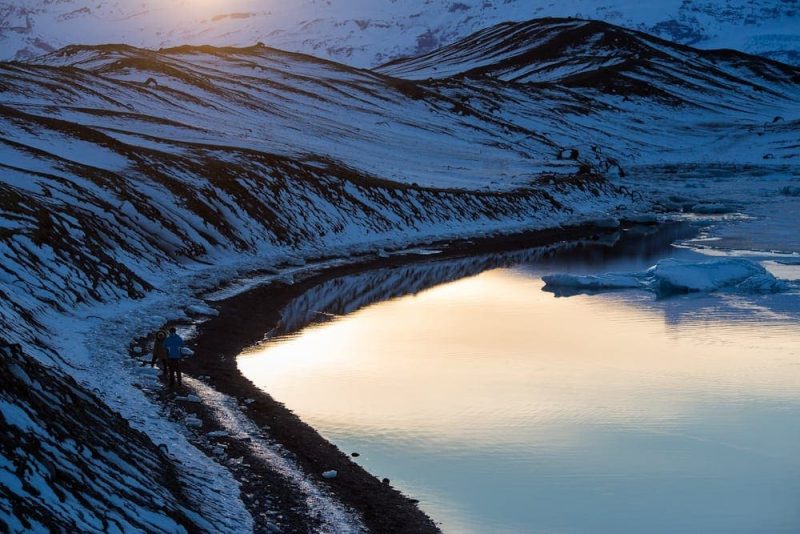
x=142 y=158
x=367 y=32
x=132 y=179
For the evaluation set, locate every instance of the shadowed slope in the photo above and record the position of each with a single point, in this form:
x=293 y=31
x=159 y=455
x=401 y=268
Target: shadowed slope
x=69 y=464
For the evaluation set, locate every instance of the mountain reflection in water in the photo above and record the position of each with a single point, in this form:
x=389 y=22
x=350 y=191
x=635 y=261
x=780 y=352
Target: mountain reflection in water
x=505 y=409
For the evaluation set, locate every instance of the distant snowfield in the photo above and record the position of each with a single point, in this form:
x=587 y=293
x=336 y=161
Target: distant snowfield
x=365 y=33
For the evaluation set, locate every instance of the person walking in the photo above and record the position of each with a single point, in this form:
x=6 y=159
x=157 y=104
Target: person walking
x=174 y=348
x=160 y=353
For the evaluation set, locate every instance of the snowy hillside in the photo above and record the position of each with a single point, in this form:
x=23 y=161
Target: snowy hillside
x=366 y=32
x=137 y=160
x=70 y=464
x=132 y=179
x=128 y=175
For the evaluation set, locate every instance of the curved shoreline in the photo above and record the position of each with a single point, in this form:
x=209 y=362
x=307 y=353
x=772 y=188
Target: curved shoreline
x=242 y=322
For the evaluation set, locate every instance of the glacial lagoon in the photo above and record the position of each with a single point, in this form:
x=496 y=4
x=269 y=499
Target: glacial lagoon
x=503 y=407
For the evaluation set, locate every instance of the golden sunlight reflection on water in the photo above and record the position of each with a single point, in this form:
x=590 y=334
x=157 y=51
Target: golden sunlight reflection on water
x=492 y=369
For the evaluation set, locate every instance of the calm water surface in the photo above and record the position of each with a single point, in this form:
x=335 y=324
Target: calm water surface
x=505 y=409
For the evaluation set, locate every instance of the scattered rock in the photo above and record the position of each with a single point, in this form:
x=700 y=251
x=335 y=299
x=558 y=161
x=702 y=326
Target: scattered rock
x=386 y=481
x=355 y=454
x=201 y=310
x=568 y=153
x=194 y=422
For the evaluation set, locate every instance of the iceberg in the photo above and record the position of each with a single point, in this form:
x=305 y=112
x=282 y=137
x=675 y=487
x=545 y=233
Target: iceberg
x=676 y=276
x=572 y=284
x=672 y=276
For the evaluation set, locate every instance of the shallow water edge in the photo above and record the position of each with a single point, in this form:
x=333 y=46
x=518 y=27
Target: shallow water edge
x=245 y=318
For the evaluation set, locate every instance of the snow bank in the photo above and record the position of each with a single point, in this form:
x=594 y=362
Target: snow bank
x=672 y=276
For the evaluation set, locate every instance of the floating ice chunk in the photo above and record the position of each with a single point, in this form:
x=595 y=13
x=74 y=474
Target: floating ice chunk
x=202 y=310
x=330 y=474
x=189 y=398
x=673 y=276
x=676 y=276
x=218 y=434
x=567 y=284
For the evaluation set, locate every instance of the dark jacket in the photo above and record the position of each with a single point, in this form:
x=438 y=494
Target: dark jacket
x=173 y=345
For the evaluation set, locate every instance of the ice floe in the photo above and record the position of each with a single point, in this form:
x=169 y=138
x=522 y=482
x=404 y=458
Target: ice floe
x=672 y=276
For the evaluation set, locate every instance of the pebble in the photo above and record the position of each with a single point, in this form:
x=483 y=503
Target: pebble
x=194 y=422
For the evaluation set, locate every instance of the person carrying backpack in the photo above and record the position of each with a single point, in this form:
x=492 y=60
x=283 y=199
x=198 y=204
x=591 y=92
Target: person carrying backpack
x=160 y=353
x=174 y=347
